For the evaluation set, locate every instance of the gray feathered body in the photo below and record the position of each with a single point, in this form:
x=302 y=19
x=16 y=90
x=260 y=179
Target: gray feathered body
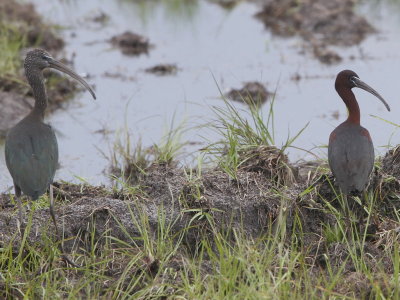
x=32 y=156
x=351 y=156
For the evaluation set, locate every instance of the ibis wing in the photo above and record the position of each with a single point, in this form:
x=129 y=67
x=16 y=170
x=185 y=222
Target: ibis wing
x=32 y=158
x=351 y=158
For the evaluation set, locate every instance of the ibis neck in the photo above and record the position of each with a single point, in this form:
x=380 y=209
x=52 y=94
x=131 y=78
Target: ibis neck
x=350 y=100
x=36 y=81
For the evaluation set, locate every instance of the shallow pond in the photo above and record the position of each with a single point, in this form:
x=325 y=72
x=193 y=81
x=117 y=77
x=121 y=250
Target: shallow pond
x=206 y=41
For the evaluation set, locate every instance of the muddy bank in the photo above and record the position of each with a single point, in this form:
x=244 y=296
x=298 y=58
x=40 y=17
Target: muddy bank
x=200 y=203
x=167 y=190
x=22 y=20
x=321 y=23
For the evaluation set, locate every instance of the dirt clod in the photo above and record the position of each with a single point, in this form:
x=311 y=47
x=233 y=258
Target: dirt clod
x=270 y=161
x=355 y=284
x=131 y=43
x=101 y=17
x=386 y=181
x=251 y=93
x=163 y=69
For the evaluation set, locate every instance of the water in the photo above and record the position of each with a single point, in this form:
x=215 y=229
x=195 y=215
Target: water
x=206 y=42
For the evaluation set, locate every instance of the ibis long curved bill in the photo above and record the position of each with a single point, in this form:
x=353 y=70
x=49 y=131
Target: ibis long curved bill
x=362 y=85
x=63 y=68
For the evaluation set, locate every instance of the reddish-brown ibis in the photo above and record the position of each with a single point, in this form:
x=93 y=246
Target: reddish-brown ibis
x=350 y=151
x=31 y=146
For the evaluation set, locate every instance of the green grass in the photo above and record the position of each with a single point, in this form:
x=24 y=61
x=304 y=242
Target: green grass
x=11 y=43
x=130 y=162
x=248 y=142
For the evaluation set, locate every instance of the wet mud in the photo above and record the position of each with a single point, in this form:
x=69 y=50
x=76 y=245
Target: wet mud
x=15 y=94
x=131 y=43
x=251 y=93
x=320 y=23
x=163 y=69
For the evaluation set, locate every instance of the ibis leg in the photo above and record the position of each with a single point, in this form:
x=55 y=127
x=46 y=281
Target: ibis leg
x=52 y=214
x=21 y=211
x=59 y=238
x=20 y=215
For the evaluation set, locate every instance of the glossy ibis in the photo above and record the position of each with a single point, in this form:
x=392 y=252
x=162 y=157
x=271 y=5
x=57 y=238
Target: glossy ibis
x=350 y=151
x=31 y=146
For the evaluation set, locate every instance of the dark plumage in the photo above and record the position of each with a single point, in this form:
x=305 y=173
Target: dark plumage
x=350 y=151
x=31 y=146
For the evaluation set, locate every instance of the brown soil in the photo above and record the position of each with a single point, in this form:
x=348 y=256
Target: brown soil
x=251 y=93
x=321 y=23
x=163 y=69
x=15 y=94
x=131 y=43
x=247 y=202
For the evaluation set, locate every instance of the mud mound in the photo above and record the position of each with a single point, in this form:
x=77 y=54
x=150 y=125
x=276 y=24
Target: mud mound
x=248 y=203
x=251 y=93
x=131 y=43
x=163 y=69
x=319 y=22
x=198 y=204
x=269 y=161
x=386 y=182
x=391 y=162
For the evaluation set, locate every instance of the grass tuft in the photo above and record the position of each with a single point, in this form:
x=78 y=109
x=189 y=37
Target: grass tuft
x=132 y=164
x=11 y=43
x=247 y=143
